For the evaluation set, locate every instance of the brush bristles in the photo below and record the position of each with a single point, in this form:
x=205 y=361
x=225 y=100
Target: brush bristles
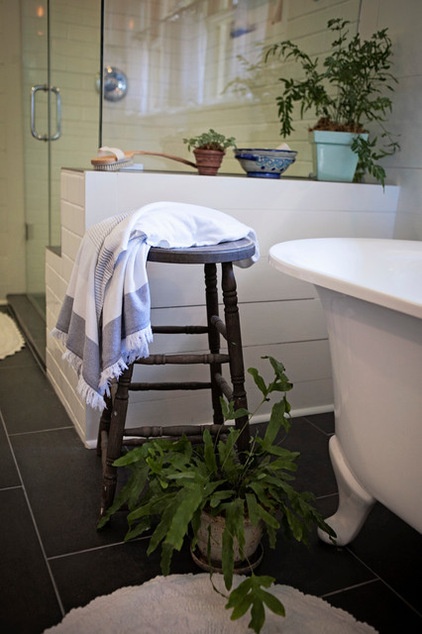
x=111 y=166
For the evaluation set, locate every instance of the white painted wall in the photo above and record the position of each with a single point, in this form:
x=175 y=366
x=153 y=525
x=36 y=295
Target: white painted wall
x=404 y=20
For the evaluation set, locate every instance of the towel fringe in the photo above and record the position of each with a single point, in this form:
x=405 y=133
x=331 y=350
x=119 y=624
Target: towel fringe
x=90 y=396
x=136 y=345
x=73 y=360
x=110 y=373
x=59 y=335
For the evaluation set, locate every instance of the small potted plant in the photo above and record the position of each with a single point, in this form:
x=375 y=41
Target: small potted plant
x=177 y=488
x=348 y=91
x=209 y=149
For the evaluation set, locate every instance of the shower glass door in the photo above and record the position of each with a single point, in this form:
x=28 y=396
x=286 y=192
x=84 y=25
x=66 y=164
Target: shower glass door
x=61 y=63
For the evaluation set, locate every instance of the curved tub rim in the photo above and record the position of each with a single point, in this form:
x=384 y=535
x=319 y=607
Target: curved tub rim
x=283 y=257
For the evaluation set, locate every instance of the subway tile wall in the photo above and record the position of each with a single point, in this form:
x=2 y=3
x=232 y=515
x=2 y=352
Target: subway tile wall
x=184 y=75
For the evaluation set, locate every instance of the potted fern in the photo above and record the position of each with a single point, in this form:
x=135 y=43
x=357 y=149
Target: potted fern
x=176 y=484
x=209 y=149
x=349 y=91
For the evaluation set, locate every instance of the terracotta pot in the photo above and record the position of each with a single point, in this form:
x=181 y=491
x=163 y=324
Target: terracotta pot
x=208 y=161
x=253 y=536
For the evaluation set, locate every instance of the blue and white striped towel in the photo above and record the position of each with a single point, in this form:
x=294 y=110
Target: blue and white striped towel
x=104 y=321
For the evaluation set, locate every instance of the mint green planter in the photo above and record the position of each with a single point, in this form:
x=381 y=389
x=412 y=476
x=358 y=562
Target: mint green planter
x=334 y=160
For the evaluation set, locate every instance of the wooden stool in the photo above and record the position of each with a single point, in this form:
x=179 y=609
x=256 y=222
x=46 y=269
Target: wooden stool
x=111 y=435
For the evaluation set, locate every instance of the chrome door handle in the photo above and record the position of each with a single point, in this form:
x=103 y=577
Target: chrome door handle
x=58 y=132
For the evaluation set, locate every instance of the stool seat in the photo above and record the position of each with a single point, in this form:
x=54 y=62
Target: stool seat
x=112 y=435
x=222 y=252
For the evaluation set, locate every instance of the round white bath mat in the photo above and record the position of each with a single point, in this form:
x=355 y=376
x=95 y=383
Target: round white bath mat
x=11 y=340
x=187 y=604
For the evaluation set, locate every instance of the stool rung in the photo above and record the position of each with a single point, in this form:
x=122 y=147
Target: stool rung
x=184 y=330
x=163 y=359
x=219 y=324
x=224 y=386
x=192 y=385
x=173 y=430
x=136 y=442
x=214 y=329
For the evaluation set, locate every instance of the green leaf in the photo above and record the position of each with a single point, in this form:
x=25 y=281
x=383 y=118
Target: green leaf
x=166 y=557
x=218 y=497
x=258 y=615
x=250 y=594
x=185 y=505
x=161 y=531
x=273 y=603
x=277 y=421
x=252 y=508
x=259 y=381
x=240 y=608
x=209 y=453
x=269 y=519
x=240 y=592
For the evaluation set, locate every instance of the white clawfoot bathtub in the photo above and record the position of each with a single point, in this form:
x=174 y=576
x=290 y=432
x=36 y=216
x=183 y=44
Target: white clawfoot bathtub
x=371 y=294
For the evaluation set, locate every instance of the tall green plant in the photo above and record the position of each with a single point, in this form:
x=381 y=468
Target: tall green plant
x=349 y=90
x=172 y=481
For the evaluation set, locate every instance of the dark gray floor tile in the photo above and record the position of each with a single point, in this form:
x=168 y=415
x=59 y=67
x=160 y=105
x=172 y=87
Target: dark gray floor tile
x=315 y=569
x=21 y=358
x=30 y=315
x=393 y=550
x=9 y=476
x=314 y=467
x=372 y=578
x=84 y=576
x=28 y=401
x=324 y=422
x=28 y=603
x=63 y=482
x=376 y=604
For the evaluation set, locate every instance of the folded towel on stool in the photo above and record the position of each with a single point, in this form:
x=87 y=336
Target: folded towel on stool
x=104 y=321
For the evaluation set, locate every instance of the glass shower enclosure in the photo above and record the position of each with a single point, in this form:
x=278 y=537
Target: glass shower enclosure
x=61 y=42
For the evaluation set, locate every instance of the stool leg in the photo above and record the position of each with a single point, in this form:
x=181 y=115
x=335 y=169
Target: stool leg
x=104 y=425
x=234 y=343
x=211 y=298
x=115 y=439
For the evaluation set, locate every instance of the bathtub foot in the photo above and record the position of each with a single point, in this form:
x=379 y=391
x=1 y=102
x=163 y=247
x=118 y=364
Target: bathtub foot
x=354 y=502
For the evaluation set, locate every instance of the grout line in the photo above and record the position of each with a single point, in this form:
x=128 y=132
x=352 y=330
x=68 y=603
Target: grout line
x=327 y=495
x=409 y=605
x=94 y=549
x=13 y=488
x=352 y=587
x=41 y=545
x=40 y=431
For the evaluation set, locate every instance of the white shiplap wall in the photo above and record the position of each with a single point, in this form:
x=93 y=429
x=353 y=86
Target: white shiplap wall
x=280 y=316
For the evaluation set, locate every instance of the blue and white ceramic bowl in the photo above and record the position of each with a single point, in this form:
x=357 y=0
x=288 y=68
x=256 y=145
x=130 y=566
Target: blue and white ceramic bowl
x=265 y=163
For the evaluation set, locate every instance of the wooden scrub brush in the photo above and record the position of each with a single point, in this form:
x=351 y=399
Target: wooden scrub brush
x=111 y=159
